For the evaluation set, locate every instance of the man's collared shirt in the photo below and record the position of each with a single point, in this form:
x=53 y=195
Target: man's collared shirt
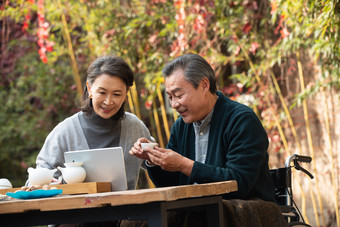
x=201 y=137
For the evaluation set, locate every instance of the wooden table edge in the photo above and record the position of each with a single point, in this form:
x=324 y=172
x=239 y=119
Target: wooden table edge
x=129 y=197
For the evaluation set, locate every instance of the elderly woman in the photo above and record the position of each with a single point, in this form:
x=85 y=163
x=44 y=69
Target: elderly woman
x=102 y=121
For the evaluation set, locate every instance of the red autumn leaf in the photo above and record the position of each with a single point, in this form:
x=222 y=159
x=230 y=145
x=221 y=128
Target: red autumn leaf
x=237 y=50
x=40 y=42
x=23 y=165
x=253 y=47
x=234 y=38
x=274 y=6
x=148 y=105
x=284 y=33
x=42 y=51
x=49 y=45
x=44 y=59
x=246 y=28
x=49 y=48
x=24 y=26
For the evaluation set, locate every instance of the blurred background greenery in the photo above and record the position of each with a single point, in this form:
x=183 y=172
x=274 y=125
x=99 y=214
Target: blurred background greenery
x=279 y=57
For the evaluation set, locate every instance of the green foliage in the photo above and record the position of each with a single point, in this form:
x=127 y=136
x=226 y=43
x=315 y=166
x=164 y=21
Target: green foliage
x=36 y=96
x=240 y=39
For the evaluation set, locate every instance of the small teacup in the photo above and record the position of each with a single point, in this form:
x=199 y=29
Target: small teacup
x=5 y=183
x=150 y=145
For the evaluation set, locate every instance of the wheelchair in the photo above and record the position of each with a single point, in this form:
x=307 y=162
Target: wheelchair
x=282 y=178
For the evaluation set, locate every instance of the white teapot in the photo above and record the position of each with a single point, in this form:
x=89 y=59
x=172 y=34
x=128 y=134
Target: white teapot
x=40 y=176
x=73 y=173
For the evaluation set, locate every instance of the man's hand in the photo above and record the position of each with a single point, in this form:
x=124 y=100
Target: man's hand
x=170 y=160
x=137 y=150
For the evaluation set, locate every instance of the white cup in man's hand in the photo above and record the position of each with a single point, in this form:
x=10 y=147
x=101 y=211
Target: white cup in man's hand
x=150 y=145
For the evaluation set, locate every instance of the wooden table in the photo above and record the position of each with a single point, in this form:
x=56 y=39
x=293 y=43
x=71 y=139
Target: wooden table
x=145 y=204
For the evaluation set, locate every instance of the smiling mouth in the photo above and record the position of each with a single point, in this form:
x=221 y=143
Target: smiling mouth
x=181 y=111
x=106 y=110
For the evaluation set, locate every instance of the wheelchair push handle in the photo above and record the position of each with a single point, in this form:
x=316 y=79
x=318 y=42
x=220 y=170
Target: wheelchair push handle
x=302 y=158
x=299 y=158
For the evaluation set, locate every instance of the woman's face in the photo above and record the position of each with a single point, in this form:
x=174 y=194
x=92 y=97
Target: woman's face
x=108 y=94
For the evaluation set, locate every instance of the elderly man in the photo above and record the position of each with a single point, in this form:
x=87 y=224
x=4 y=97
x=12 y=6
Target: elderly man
x=215 y=139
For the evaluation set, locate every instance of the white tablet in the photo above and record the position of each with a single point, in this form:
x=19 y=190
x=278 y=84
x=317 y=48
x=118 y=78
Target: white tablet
x=102 y=165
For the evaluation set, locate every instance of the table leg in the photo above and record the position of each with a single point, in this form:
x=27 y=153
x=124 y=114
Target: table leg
x=215 y=214
x=158 y=216
x=213 y=207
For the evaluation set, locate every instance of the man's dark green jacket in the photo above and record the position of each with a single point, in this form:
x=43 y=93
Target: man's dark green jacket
x=237 y=150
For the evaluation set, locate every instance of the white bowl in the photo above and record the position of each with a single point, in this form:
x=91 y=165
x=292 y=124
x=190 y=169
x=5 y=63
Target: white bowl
x=5 y=183
x=150 y=145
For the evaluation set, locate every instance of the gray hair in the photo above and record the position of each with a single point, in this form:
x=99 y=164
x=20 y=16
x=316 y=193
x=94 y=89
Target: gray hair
x=195 y=68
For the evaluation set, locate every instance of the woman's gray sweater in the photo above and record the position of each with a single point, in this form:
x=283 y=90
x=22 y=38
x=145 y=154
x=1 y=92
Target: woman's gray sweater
x=68 y=135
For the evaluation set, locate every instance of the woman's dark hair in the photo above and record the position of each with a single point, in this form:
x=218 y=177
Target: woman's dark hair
x=112 y=66
x=195 y=68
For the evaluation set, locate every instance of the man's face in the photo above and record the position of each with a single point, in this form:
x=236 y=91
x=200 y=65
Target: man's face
x=184 y=98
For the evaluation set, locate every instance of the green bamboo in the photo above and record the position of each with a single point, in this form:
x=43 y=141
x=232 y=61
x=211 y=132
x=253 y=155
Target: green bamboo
x=289 y=118
x=165 y=119
x=276 y=118
x=278 y=90
x=277 y=122
x=315 y=208
x=135 y=99
x=174 y=114
x=159 y=131
x=67 y=37
x=130 y=101
x=278 y=125
x=309 y=138
x=303 y=199
x=87 y=27
x=153 y=132
x=331 y=156
x=4 y=39
x=150 y=183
